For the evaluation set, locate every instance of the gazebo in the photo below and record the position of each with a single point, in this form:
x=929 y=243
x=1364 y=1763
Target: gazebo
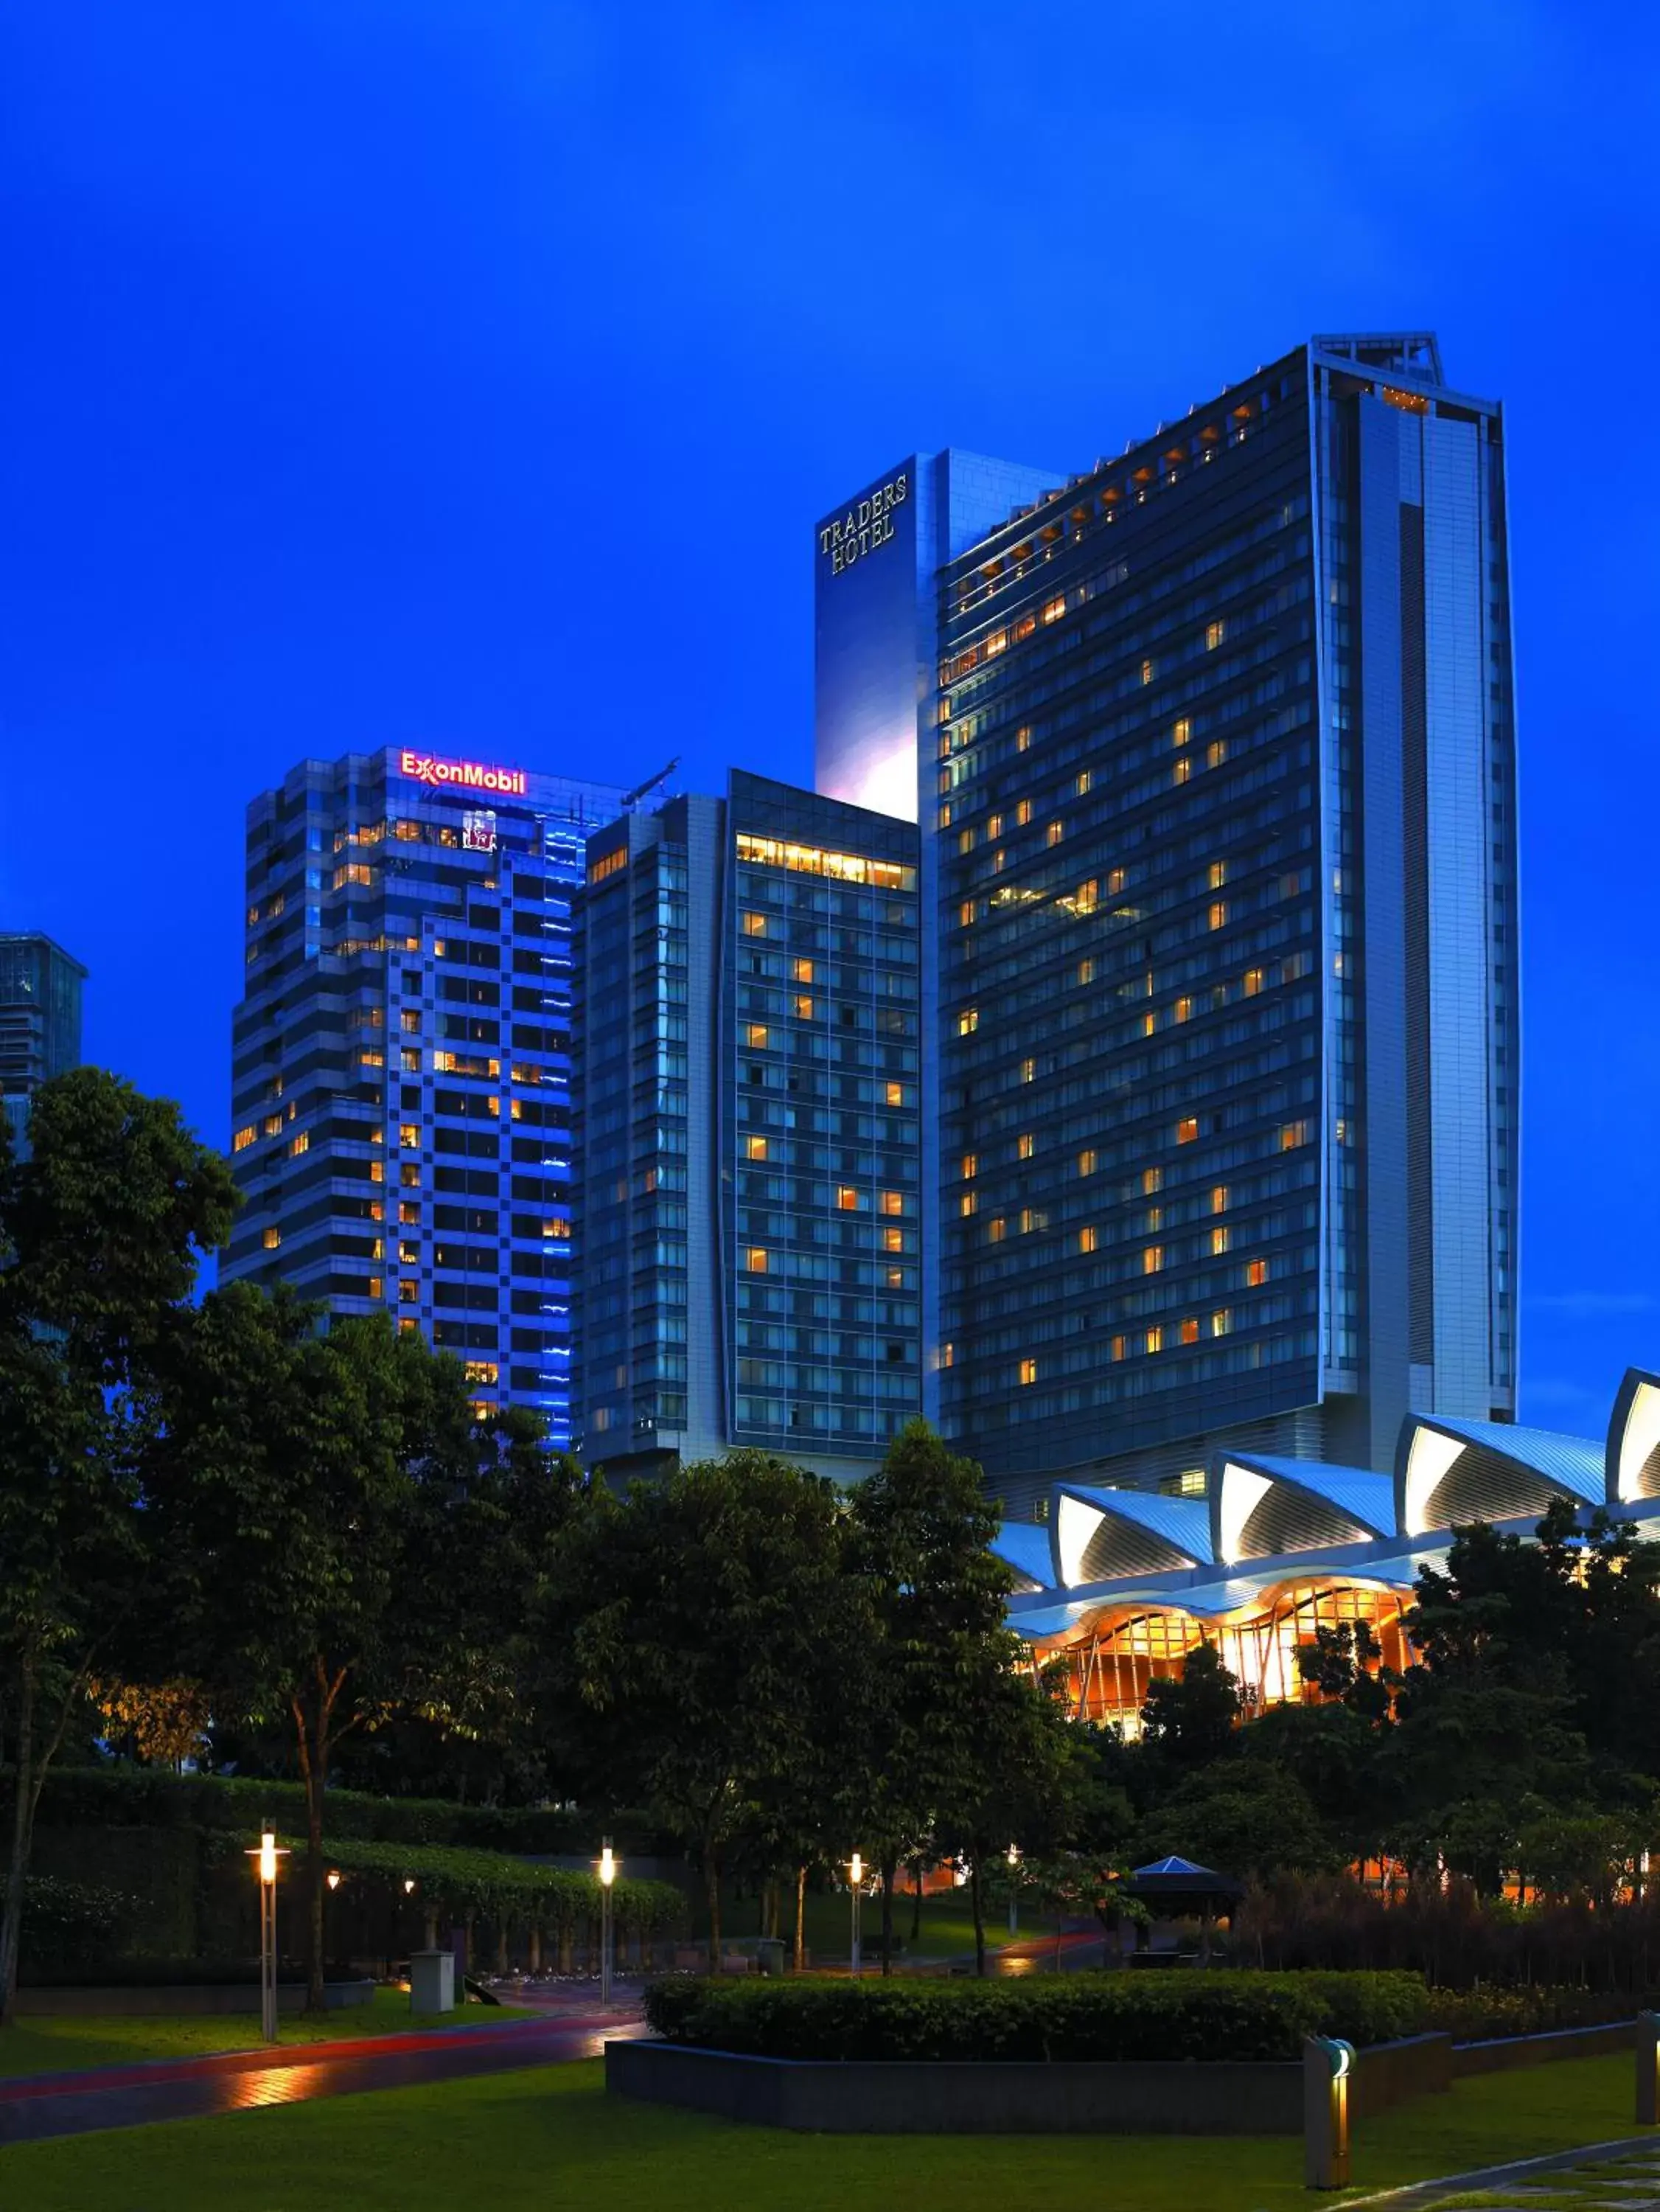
x=1179 y=1885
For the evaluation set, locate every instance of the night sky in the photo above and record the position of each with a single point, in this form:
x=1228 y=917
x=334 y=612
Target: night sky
x=472 y=375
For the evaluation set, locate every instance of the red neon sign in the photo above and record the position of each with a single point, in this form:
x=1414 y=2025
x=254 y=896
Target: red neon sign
x=464 y=775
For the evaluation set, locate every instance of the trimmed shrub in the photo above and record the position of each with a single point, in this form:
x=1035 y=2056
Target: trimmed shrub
x=1064 y=2017
x=1479 y=2016
x=69 y=1923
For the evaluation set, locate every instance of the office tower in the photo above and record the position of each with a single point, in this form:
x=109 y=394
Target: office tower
x=401 y=1077
x=40 y=1017
x=748 y=1180
x=1221 y=807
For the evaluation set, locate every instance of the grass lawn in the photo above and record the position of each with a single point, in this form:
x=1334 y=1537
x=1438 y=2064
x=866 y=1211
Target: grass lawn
x=548 y=2138
x=59 y=2043
x=947 y=1923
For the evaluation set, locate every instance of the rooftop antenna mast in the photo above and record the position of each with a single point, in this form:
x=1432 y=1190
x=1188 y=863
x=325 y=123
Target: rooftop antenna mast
x=631 y=800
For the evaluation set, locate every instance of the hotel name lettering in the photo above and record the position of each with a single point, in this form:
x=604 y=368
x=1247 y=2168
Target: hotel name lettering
x=866 y=524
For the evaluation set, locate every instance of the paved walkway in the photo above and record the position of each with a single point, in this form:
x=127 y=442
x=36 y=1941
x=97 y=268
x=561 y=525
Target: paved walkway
x=32 y=2105
x=1626 y=2177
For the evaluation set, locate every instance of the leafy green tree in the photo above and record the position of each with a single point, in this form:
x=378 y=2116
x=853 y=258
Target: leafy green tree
x=102 y=1227
x=1238 y=1819
x=1189 y=1721
x=701 y=1637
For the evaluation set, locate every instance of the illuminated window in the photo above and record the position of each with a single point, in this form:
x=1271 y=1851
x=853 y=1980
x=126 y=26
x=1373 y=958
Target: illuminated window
x=755 y=1260
x=409 y=1291
x=1155 y=1216
x=893 y=1201
x=1148 y=1024
x=967 y=1202
x=945 y=815
x=893 y=1240
x=1182 y=772
x=965 y=839
x=1086 y=1161
x=896 y=1094
x=1256 y=1272
x=1222 y=1322
x=755 y=1035
x=847 y=1198
x=896 y=1278
x=1086 y=897
x=1054 y=609
x=970 y=1166
x=1087 y=1238
x=1055 y=832
x=1023 y=812
x=1028 y=1071
x=1218 y=1198
x=801 y=970
x=968 y=1021
x=243 y=1138
x=408 y=1136
x=755 y=1148
x=1085 y=971
x=378 y=1058
x=354 y=872
x=996 y=643
x=408 y=1211
x=1184 y=1009
x=1190 y=1332
x=1215 y=753
x=273 y=1124
x=1147 y=671
x=1215 y=632
x=1082 y=787
x=408 y=1059
x=1218 y=874
x=816 y=860
x=966 y=914
x=408 y=1251
x=376 y=1172
x=1151 y=1180
x=1025 y=1143
x=271 y=1239
x=1292 y=1134
x=997 y=861
x=1182 y=732
x=482 y=1371
x=804 y=1009
x=994 y=825
x=375 y=1286
x=1220 y=1239
x=997 y=1229
x=1115 y=881
x=1219 y=913
x=1022 y=740
x=947 y=1355
x=1152 y=1259
x=1028 y=1371
x=1155 y=1340
x=1186 y=1130
x=1117 y=1348
x=409 y=1020
x=1253 y=981
x=300 y=1143
x=1029 y=1221
x=754 y=925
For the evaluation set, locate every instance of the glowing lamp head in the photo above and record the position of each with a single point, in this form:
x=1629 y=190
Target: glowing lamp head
x=607 y=1866
x=1014 y=1854
x=333 y=1878
x=267 y=1857
x=408 y=1885
x=856 y=1867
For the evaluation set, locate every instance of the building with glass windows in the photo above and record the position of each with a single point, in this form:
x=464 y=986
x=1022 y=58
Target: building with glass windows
x=1120 y=1585
x=1217 y=781
x=40 y=1017
x=749 y=1054
x=401 y=1054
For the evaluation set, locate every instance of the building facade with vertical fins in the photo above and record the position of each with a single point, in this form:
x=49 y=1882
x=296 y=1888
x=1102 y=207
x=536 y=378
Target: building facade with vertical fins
x=749 y=1175
x=40 y=1017
x=401 y=1054
x=1217 y=791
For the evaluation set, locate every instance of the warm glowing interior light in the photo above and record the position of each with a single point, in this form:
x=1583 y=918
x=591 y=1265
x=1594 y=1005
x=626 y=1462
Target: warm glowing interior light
x=267 y=1857
x=857 y=1869
x=607 y=1866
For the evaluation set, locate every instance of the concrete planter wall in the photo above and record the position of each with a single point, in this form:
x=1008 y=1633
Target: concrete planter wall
x=1065 y=2097
x=1504 y=2057
x=164 y=2001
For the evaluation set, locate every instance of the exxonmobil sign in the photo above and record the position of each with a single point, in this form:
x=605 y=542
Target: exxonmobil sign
x=464 y=776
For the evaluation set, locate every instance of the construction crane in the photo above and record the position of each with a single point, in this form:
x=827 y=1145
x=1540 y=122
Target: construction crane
x=631 y=800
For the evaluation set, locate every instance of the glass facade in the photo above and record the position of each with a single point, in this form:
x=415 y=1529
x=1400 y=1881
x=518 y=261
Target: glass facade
x=750 y=1183
x=40 y=1016
x=1220 y=797
x=401 y=1069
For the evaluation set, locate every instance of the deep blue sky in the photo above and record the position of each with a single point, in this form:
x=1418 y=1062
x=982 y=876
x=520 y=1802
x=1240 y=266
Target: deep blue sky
x=473 y=375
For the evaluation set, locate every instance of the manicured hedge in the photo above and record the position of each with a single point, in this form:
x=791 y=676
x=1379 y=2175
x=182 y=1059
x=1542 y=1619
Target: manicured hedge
x=1477 y=2015
x=557 y=1897
x=1108 y=2015
x=152 y=1797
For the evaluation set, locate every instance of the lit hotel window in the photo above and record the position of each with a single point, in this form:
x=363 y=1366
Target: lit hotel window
x=1183 y=1010
x=803 y=1008
x=409 y=1291
x=970 y=1166
x=755 y=1260
x=1219 y=913
x=1186 y=1130
x=1256 y=1272
x=965 y=839
x=1087 y=1239
x=896 y=1094
x=1022 y=739
x=966 y=1203
x=893 y=1201
x=968 y=1021
x=1182 y=772
x=1147 y=671
x=1115 y=881
x=1054 y=609
x=1057 y=831
x=965 y=914
x=1086 y=1162
x=755 y=1148
x=893 y=1240
x=1190 y=1332
x=1028 y=1371
x=1218 y=1198
x=1215 y=753
x=1082 y=787
x=997 y=1229
x=803 y=971
x=1028 y=1071
x=1117 y=1348
x=1151 y=1180
x=1025 y=1143
x=273 y=1124
x=1253 y=981
x=847 y=1198
x=755 y=1035
x=1215 y=632
x=1182 y=733
x=1222 y=1322
x=1218 y=874
x=948 y=1354
x=243 y=1138
x=301 y=1143
x=1155 y=1340
x=1085 y=971
x=754 y=925
x=994 y=825
x=1152 y=1259
x=1292 y=1134
x=271 y=1239
x=1023 y=812
x=1220 y=1239
x=408 y=1136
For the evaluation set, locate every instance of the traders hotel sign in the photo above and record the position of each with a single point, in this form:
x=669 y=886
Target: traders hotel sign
x=462 y=775
x=867 y=524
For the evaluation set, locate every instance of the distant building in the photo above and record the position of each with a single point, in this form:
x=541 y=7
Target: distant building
x=749 y=1167
x=1218 y=799
x=401 y=1069
x=40 y=1016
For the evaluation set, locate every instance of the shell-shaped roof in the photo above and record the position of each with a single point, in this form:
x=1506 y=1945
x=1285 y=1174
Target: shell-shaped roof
x=1024 y=1545
x=1103 y=1533
x=1264 y=1506
x=1632 y=1458
x=1448 y=1472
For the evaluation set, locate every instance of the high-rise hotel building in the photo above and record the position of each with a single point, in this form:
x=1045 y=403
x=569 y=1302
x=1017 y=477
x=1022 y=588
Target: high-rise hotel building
x=1217 y=785
x=748 y=1061
x=401 y=1071
x=39 y=1019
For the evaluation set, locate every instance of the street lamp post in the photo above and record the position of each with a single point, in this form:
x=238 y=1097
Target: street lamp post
x=265 y=1856
x=855 y=1869
x=607 y=1874
x=1013 y=1896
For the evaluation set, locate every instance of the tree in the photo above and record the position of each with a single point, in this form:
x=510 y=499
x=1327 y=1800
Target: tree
x=1190 y=1720
x=937 y=1705
x=701 y=1637
x=102 y=1226
x=333 y=1507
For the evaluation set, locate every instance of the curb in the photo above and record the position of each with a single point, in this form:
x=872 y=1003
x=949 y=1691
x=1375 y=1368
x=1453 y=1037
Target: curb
x=1410 y=2193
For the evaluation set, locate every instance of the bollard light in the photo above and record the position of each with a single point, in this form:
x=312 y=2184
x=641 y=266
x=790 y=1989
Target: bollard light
x=1328 y=2063
x=1648 y=2070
